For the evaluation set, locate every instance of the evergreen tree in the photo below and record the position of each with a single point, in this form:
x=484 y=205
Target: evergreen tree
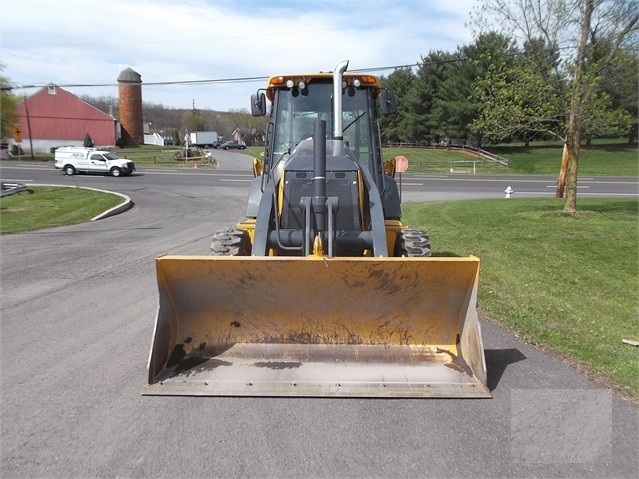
x=394 y=128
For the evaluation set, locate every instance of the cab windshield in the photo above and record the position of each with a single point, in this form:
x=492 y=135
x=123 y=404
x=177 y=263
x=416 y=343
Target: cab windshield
x=295 y=112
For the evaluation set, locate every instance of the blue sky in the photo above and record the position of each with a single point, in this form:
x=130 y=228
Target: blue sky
x=91 y=42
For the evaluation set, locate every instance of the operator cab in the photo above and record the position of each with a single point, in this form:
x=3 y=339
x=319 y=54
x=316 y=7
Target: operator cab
x=296 y=108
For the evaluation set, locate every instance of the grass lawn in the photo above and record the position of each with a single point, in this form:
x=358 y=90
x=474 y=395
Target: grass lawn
x=565 y=283
x=165 y=156
x=599 y=160
x=44 y=207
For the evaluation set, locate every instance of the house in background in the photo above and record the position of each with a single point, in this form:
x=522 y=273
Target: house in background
x=237 y=136
x=154 y=139
x=151 y=138
x=55 y=117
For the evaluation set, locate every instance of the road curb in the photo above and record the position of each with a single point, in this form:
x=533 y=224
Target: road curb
x=116 y=210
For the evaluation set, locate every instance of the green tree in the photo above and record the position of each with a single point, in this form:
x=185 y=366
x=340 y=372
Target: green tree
x=577 y=29
x=394 y=128
x=494 y=62
x=448 y=114
x=435 y=102
x=8 y=102
x=520 y=95
x=421 y=123
x=620 y=84
x=457 y=90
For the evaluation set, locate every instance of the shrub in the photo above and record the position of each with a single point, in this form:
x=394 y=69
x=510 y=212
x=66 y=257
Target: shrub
x=16 y=150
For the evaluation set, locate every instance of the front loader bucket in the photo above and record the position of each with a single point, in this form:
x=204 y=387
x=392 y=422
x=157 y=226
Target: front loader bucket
x=302 y=326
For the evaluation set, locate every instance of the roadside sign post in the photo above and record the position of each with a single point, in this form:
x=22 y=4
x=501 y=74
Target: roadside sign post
x=401 y=165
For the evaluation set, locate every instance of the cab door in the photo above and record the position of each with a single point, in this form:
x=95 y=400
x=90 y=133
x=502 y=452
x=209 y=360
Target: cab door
x=97 y=163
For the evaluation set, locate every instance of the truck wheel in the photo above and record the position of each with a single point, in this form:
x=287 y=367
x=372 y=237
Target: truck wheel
x=231 y=241
x=69 y=170
x=412 y=243
x=115 y=171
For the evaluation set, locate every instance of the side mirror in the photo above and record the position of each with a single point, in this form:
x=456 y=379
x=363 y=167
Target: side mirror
x=258 y=104
x=387 y=102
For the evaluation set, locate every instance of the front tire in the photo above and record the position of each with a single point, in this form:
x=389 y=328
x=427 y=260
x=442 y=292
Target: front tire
x=412 y=243
x=116 y=171
x=231 y=241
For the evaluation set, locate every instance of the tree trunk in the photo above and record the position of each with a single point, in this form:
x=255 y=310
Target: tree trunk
x=578 y=96
x=572 y=147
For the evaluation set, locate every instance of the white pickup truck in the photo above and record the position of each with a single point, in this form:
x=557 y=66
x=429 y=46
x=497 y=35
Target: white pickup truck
x=74 y=160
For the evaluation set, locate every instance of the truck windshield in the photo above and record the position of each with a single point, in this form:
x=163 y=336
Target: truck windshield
x=110 y=156
x=295 y=112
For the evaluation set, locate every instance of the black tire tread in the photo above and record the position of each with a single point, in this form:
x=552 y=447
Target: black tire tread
x=413 y=243
x=231 y=241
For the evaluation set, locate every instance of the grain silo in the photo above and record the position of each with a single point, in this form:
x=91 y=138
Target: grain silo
x=130 y=97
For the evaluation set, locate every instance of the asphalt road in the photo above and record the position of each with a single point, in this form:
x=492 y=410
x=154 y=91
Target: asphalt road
x=235 y=171
x=77 y=312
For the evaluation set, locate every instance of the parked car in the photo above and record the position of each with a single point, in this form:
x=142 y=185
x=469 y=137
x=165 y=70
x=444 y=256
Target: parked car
x=227 y=145
x=217 y=143
x=74 y=160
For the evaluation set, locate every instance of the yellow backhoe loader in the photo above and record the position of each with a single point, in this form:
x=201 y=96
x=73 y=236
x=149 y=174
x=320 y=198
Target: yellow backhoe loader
x=320 y=290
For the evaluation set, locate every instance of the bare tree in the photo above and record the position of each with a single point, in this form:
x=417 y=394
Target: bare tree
x=193 y=120
x=578 y=98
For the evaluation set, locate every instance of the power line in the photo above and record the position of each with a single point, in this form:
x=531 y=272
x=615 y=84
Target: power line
x=254 y=78
x=187 y=82
x=239 y=79
x=227 y=80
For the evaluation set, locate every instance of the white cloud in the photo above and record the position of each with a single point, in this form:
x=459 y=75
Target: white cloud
x=91 y=42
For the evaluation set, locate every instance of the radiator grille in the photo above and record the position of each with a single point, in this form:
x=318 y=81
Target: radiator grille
x=341 y=184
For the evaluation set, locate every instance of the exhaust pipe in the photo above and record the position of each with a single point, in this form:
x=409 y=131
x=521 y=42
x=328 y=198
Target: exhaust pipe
x=318 y=203
x=337 y=100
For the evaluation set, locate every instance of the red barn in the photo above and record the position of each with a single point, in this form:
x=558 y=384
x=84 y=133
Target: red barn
x=54 y=117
